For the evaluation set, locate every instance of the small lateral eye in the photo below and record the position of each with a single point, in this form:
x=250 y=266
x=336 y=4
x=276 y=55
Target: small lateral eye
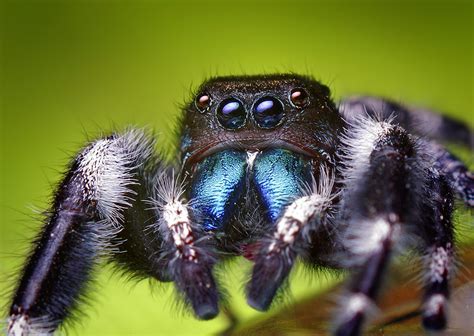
x=203 y=102
x=231 y=114
x=299 y=97
x=268 y=112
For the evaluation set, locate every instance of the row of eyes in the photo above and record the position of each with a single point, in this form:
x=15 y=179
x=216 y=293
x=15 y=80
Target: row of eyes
x=268 y=111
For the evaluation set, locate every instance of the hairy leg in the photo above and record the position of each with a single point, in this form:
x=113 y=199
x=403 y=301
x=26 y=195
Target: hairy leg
x=378 y=169
x=438 y=250
x=429 y=125
x=454 y=171
x=422 y=122
x=86 y=214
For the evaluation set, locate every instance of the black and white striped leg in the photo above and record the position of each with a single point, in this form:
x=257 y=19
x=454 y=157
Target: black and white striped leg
x=377 y=170
x=290 y=237
x=87 y=212
x=439 y=260
x=427 y=124
x=422 y=122
x=456 y=173
x=186 y=251
x=364 y=287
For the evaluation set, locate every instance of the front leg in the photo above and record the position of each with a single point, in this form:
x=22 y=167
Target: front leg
x=86 y=213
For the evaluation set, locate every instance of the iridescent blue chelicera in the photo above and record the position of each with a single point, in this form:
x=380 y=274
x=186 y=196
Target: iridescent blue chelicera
x=276 y=176
x=217 y=186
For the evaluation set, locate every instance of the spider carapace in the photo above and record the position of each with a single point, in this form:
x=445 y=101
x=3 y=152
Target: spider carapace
x=269 y=168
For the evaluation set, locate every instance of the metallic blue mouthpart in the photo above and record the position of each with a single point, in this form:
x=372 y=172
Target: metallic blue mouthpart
x=217 y=185
x=278 y=176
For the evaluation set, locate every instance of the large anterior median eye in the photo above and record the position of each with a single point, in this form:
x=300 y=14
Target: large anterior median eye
x=231 y=113
x=268 y=112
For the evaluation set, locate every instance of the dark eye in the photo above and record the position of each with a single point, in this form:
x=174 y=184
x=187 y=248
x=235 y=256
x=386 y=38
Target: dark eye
x=268 y=112
x=231 y=113
x=299 y=97
x=203 y=102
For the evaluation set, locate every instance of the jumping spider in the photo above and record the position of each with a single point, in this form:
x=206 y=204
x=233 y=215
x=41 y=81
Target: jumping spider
x=271 y=169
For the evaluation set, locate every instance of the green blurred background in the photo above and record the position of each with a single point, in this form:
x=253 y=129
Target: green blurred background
x=71 y=69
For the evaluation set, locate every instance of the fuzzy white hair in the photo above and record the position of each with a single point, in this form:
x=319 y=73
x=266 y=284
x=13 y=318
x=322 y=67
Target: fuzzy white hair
x=439 y=261
x=175 y=220
x=107 y=167
x=21 y=325
x=358 y=143
x=316 y=202
x=350 y=304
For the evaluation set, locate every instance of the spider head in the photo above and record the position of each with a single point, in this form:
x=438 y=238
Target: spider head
x=256 y=112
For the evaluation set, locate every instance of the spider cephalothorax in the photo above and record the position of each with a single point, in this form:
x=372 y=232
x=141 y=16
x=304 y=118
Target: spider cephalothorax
x=253 y=113
x=270 y=168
